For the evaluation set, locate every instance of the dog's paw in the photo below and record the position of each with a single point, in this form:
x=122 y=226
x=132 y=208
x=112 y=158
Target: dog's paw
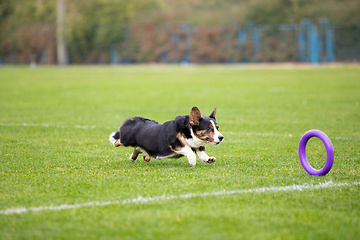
x=147 y=158
x=192 y=162
x=132 y=157
x=211 y=160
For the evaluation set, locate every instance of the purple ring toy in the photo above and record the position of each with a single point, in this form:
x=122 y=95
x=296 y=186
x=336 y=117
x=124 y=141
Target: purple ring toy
x=329 y=152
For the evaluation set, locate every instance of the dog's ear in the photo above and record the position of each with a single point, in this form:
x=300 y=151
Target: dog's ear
x=195 y=116
x=212 y=115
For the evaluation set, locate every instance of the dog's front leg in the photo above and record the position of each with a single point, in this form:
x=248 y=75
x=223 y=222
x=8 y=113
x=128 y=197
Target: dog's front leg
x=203 y=156
x=188 y=152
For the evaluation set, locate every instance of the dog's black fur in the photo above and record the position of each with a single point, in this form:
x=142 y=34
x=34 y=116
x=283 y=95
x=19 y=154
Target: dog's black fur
x=170 y=139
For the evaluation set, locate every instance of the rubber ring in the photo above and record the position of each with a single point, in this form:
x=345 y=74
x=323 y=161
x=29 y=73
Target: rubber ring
x=329 y=152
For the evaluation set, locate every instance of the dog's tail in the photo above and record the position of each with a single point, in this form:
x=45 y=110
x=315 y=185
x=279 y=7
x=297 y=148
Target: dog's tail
x=114 y=139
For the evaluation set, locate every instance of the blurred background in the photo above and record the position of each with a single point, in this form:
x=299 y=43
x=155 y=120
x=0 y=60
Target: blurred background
x=178 y=31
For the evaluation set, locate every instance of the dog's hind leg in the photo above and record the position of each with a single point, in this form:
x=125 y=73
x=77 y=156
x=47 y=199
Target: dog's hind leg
x=114 y=139
x=135 y=154
x=117 y=143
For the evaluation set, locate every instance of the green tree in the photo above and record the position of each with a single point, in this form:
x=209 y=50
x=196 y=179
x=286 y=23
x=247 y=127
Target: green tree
x=95 y=26
x=28 y=30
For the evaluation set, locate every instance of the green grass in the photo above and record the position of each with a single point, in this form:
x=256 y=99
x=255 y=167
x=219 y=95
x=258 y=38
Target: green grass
x=61 y=155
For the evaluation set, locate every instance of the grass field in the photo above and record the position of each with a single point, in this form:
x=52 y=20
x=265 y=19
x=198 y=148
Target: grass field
x=61 y=179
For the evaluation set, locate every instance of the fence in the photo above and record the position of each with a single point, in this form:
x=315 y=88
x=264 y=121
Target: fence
x=181 y=43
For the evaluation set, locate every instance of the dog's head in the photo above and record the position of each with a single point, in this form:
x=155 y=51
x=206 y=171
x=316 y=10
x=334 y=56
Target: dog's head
x=205 y=128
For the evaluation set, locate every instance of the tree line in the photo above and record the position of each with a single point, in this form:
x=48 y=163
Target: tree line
x=28 y=28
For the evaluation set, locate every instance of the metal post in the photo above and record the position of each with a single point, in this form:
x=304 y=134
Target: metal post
x=187 y=54
x=301 y=47
x=314 y=45
x=309 y=48
x=257 y=43
x=324 y=26
x=254 y=33
x=328 y=34
x=113 y=56
x=62 y=54
x=330 y=44
x=241 y=35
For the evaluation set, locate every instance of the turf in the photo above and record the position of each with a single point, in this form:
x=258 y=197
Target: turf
x=54 y=150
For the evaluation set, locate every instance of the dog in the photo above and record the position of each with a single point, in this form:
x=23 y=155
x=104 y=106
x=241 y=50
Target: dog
x=180 y=137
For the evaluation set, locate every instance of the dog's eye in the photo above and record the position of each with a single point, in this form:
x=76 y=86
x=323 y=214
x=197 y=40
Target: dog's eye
x=209 y=129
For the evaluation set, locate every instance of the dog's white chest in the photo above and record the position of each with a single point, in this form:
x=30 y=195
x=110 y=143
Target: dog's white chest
x=193 y=142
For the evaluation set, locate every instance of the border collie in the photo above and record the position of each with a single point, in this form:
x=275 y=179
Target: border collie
x=180 y=137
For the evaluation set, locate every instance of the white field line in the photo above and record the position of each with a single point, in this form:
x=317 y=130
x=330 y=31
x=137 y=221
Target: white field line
x=47 y=125
x=277 y=135
x=260 y=134
x=144 y=200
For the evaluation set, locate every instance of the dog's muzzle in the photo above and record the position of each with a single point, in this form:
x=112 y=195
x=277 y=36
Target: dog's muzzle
x=220 y=139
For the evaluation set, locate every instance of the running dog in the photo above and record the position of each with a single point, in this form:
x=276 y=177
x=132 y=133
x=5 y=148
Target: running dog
x=180 y=137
